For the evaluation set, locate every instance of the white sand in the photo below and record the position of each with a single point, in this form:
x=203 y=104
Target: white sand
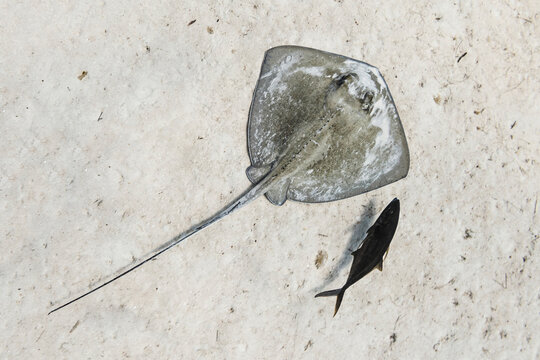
x=96 y=171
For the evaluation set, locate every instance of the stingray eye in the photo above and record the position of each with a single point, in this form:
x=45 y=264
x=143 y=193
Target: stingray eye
x=340 y=80
x=367 y=101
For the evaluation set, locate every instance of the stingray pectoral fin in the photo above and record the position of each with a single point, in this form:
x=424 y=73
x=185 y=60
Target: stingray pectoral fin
x=277 y=194
x=257 y=173
x=248 y=196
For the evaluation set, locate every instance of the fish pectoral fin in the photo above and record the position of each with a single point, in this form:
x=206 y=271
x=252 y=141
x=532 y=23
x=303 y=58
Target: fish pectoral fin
x=277 y=195
x=361 y=251
x=379 y=265
x=386 y=253
x=257 y=173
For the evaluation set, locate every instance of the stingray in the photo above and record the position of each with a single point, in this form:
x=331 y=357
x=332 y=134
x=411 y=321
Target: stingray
x=321 y=127
x=369 y=254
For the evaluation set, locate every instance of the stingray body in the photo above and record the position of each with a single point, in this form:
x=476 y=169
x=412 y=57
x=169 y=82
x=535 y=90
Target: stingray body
x=321 y=127
x=370 y=253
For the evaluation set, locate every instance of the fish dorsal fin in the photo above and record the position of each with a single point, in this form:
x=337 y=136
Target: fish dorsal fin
x=277 y=194
x=257 y=173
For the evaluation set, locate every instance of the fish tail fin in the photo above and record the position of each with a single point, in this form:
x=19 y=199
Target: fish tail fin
x=338 y=301
x=328 y=293
x=337 y=292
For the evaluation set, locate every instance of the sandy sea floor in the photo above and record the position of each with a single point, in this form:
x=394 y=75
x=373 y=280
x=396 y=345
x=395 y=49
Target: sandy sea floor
x=124 y=123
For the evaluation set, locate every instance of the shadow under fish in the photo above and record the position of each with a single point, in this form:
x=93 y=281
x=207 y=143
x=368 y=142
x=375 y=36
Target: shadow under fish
x=371 y=252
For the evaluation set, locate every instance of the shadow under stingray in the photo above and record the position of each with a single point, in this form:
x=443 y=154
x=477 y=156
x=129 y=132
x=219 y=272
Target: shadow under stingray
x=358 y=234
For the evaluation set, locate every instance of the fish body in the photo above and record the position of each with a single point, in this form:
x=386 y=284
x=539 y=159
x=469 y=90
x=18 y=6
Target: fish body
x=371 y=252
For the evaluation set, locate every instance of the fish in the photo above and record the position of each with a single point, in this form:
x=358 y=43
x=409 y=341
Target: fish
x=321 y=127
x=370 y=253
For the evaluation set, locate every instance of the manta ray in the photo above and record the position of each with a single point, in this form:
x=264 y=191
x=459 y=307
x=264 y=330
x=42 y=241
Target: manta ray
x=321 y=127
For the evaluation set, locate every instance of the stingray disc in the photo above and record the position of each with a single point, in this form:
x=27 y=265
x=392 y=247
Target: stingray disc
x=365 y=150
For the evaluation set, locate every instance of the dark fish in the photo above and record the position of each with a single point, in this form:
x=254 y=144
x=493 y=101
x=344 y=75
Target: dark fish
x=370 y=253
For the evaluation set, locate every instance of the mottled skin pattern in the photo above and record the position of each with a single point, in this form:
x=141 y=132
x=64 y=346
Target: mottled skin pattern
x=370 y=253
x=308 y=146
x=362 y=148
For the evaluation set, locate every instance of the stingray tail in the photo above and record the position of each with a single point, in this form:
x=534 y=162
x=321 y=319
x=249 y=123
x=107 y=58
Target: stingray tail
x=260 y=188
x=337 y=292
